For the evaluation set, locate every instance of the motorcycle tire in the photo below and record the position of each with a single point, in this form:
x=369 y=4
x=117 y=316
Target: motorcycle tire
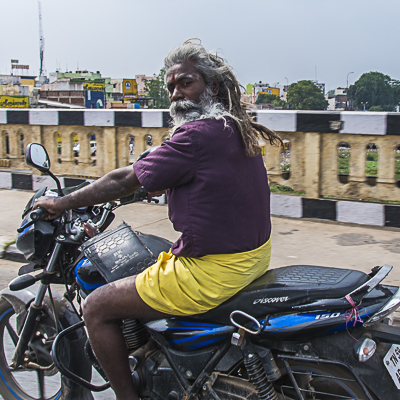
x=27 y=384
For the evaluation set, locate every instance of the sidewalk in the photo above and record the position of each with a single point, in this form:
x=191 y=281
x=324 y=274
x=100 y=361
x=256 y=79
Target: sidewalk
x=294 y=241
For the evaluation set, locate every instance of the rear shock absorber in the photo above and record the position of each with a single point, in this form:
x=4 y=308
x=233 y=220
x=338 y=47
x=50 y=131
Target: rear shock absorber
x=258 y=377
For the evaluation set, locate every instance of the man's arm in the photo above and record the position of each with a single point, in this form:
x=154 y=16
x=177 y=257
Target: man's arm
x=116 y=184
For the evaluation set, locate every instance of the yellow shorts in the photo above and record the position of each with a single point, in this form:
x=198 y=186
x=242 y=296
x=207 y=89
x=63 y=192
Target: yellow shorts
x=186 y=286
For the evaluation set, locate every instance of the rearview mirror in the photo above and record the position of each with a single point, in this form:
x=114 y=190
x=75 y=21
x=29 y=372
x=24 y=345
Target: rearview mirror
x=36 y=156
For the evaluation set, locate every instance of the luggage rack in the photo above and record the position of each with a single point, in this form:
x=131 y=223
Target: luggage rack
x=307 y=376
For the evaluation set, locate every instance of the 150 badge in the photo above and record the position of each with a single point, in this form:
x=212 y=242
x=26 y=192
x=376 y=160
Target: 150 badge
x=326 y=316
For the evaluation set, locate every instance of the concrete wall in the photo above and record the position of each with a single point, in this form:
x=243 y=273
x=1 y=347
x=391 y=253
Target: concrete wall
x=314 y=138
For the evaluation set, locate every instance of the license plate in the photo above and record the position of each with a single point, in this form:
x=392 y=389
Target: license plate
x=392 y=364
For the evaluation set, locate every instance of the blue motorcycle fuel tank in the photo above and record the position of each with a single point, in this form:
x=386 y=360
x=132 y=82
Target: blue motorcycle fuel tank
x=87 y=276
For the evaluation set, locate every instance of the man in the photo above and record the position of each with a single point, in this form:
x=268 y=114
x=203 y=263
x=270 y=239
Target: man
x=218 y=197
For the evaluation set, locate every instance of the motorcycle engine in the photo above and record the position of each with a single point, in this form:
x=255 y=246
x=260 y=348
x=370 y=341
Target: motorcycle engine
x=134 y=333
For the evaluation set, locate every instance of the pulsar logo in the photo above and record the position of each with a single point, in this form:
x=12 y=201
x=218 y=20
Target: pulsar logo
x=271 y=300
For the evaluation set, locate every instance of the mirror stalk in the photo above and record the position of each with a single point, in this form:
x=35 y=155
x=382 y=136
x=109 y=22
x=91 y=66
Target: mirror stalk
x=60 y=192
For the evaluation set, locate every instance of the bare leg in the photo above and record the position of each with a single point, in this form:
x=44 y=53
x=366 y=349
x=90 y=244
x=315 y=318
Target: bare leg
x=103 y=309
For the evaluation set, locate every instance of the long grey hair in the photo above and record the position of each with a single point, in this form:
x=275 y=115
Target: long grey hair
x=214 y=68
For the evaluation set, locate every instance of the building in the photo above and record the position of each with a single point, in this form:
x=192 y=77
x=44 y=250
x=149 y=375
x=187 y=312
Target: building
x=141 y=83
x=85 y=77
x=261 y=88
x=69 y=97
x=63 y=84
x=15 y=91
x=320 y=86
x=337 y=99
x=55 y=76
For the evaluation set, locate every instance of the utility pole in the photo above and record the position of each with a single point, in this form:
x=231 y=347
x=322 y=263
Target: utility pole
x=287 y=93
x=41 y=42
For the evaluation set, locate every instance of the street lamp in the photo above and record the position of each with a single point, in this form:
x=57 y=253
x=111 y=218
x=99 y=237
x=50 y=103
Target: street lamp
x=364 y=104
x=348 y=79
x=287 y=93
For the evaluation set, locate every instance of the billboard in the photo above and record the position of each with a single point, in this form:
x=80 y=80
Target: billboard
x=19 y=66
x=94 y=86
x=14 y=101
x=270 y=90
x=129 y=89
x=94 y=99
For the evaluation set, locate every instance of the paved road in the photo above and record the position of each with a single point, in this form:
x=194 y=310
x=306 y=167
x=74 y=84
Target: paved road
x=295 y=241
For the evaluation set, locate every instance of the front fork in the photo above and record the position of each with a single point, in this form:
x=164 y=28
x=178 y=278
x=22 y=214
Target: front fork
x=34 y=311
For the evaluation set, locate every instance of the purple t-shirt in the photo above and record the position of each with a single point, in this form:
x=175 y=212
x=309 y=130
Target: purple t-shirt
x=218 y=197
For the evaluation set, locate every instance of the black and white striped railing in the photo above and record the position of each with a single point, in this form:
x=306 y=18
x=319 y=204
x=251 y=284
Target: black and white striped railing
x=369 y=123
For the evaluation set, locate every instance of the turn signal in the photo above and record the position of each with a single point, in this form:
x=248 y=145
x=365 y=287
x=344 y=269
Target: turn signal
x=364 y=349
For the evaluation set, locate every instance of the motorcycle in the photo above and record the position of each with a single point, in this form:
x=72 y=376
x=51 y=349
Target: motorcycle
x=297 y=333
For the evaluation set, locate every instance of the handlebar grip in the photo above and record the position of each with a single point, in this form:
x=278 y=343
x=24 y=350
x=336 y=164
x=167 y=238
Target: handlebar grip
x=38 y=213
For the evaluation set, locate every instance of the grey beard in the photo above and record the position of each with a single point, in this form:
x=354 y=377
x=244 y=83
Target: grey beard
x=184 y=111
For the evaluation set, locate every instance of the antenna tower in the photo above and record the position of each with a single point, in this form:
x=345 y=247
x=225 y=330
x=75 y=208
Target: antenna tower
x=41 y=42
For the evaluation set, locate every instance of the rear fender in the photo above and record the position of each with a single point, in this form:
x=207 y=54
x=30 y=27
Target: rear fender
x=73 y=354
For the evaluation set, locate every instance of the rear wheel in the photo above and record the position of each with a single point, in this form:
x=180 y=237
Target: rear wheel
x=40 y=380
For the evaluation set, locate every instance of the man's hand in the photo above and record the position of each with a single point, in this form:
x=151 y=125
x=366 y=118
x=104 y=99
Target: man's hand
x=50 y=205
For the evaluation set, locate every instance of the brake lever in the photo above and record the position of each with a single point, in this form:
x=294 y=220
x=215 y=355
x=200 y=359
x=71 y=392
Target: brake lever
x=138 y=195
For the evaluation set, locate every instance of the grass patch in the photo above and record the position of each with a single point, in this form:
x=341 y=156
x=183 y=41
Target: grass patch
x=285 y=167
x=344 y=166
x=371 y=168
x=344 y=161
x=397 y=169
x=7 y=244
x=285 y=189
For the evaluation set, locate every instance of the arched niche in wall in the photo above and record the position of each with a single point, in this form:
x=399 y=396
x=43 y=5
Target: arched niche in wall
x=285 y=164
x=371 y=163
x=344 y=157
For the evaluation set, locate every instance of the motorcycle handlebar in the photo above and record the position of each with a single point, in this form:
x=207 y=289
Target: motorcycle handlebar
x=35 y=215
x=38 y=213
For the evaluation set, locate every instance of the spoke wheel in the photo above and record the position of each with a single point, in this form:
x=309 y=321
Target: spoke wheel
x=29 y=383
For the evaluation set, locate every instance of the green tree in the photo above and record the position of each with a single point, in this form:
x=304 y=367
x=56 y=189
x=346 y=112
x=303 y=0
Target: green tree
x=157 y=90
x=273 y=99
x=375 y=89
x=263 y=98
x=305 y=95
x=376 y=108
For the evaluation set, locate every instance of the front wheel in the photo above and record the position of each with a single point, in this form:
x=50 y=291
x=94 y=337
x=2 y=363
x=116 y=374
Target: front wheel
x=40 y=380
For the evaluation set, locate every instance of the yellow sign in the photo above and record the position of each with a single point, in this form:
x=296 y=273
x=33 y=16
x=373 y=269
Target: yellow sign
x=94 y=86
x=14 y=101
x=129 y=89
x=270 y=90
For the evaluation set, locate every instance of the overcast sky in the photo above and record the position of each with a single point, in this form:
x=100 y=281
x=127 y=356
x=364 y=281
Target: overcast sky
x=263 y=40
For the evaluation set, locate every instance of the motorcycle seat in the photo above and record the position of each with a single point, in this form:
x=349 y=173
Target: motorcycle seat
x=280 y=289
